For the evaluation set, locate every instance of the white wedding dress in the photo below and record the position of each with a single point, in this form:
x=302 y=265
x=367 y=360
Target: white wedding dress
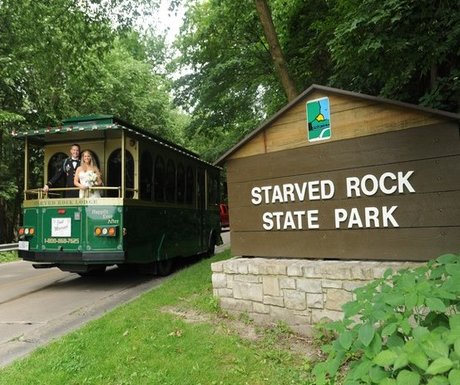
x=85 y=179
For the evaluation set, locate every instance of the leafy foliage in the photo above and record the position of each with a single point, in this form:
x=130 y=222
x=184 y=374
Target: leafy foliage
x=10 y=157
x=228 y=76
x=8 y=256
x=401 y=329
x=401 y=49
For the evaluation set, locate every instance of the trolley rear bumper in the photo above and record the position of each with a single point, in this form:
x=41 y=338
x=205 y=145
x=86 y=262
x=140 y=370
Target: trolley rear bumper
x=106 y=257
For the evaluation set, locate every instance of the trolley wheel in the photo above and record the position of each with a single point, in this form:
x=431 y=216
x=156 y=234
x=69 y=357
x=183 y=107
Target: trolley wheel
x=211 y=250
x=212 y=246
x=164 y=267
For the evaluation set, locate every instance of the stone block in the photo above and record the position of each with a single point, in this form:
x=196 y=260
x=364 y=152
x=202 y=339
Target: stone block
x=219 y=280
x=230 y=280
x=217 y=267
x=336 y=298
x=300 y=319
x=243 y=267
x=309 y=285
x=223 y=293
x=247 y=278
x=249 y=291
x=332 y=284
x=276 y=301
x=253 y=267
x=231 y=265
x=273 y=267
x=282 y=314
x=312 y=272
x=295 y=269
x=362 y=273
x=294 y=299
x=337 y=272
x=315 y=301
x=271 y=286
x=352 y=285
x=261 y=308
x=318 y=315
x=232 y=304
x=287 y=283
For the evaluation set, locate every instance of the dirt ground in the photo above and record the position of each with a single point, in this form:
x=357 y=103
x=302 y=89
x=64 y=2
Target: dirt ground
x=280 y=336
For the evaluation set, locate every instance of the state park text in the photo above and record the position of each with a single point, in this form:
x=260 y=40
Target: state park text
x=388 y=183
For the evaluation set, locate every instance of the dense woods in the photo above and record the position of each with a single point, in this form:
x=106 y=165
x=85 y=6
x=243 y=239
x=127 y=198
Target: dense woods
x=220 y=79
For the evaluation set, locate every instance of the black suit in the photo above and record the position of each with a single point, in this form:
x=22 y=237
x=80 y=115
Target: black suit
x=68 y=169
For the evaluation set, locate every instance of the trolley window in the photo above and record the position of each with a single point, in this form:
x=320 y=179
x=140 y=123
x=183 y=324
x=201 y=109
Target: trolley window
x=159 y=181
x=189 y=185
x=114 y=172
x=180 y=183
x=146 y=175
x=170 y=181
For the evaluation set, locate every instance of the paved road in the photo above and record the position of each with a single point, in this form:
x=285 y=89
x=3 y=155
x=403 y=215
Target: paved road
x=37 y=306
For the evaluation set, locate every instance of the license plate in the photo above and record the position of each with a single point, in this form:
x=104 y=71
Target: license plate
x=23 y=245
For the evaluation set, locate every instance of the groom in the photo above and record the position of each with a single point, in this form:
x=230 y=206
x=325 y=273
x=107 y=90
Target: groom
x=68 y=168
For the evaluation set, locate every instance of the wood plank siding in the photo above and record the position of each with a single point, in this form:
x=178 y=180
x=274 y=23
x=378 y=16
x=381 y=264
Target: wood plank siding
x=289 y=130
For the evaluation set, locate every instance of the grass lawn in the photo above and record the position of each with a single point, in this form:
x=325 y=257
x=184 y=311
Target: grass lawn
x=8 y=256
x=174 y=334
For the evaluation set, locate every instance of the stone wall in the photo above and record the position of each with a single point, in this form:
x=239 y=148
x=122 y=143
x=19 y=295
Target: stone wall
x=298 y=292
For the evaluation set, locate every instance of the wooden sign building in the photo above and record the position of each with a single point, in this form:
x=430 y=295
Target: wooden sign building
x=341 y=175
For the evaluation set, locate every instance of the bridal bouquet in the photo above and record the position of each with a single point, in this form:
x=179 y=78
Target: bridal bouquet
x=91 y=179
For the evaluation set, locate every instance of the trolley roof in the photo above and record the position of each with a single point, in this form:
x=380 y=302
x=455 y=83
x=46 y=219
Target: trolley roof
x=82 y=127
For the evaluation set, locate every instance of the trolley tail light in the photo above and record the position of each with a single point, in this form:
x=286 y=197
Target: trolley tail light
x=106 y=231
x=26 y=231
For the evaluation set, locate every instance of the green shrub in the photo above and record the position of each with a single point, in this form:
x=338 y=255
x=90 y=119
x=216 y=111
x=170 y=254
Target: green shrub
x=402 y=329
x=8 y=256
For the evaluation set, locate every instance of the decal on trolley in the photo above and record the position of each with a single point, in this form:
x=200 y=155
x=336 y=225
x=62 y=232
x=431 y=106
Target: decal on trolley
x=61 y=227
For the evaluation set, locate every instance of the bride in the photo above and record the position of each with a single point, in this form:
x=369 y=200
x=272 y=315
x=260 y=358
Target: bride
x=87 y=176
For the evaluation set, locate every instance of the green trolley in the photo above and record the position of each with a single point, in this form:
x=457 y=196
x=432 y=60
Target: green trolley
x=159 y=201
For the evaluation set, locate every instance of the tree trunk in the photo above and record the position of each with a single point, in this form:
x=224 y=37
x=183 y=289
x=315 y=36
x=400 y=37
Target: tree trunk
x=275 y=49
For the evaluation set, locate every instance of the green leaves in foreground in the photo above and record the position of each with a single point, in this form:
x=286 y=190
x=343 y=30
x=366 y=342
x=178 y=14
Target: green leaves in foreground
x=403 y=329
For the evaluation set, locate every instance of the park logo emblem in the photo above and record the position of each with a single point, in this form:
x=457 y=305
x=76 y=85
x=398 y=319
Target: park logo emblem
x=318 y=119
